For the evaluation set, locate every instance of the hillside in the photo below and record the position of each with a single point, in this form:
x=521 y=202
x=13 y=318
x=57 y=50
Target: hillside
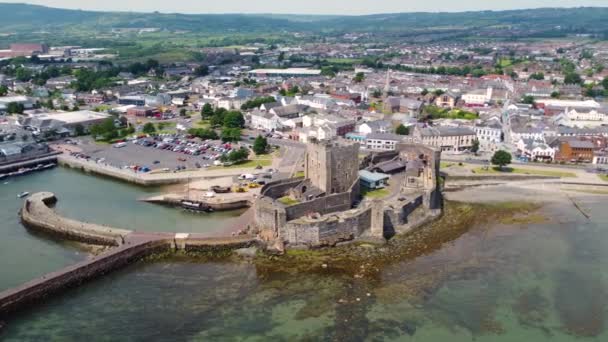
x=24 y=18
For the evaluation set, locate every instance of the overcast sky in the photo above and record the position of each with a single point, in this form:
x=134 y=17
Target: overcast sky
x=309 y=6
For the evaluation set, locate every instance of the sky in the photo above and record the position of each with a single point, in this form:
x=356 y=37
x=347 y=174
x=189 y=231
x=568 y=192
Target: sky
x=347 y=7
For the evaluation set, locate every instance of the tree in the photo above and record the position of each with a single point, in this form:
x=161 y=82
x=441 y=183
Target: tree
x=79 y=130
x=555 y=94
x=537 y=76
x=231 y=134
x=201 y=70
x=424 y=92
x=239 y=155
x=605 y=83
x=359 y=77
x=573 y=78
x=256 y=103
x=402 y=130
x=528 y=100
x=438 y=92
x=149 y=128
x=475 y=146
x=182 y=112
x=260 y=145
x=234 y=119
x=203 y=133
x=501 y=158
x=3 y=90
x=207 y=111
x=15 y=108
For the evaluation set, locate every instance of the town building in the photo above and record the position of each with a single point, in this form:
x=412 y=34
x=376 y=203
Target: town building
x=576 y=151
x=446 y=138
x=382 y=141
x=373 y=180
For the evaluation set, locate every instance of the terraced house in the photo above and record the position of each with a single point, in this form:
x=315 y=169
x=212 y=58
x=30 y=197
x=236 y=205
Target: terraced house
x=446 y=138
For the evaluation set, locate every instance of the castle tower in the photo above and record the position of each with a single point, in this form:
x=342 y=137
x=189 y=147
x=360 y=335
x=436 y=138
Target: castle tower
x=377 y=228
x=331 y=166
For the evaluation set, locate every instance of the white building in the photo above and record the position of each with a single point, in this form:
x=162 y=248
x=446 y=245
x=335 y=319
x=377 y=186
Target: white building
x=489 y=135
x=535 y=150
x=382 y=141
x=265 y=121
x=478 y=97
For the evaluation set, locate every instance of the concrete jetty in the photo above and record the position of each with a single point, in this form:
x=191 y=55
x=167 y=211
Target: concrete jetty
x=130 y=246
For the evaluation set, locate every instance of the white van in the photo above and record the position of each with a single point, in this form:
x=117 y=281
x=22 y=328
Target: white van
x=247 y=176
x=120 y=145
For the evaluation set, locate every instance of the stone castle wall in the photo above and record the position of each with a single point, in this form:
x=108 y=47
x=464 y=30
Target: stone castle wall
x=323 y=205
x=328 y=230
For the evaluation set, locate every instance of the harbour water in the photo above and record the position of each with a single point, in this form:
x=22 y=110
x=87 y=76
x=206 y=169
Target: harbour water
x=24 y=256
x=539 y=278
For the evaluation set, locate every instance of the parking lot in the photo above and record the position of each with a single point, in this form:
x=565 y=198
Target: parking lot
x=168 y=152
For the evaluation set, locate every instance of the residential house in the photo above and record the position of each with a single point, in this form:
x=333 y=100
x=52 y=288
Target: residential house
x=402 y=105
x=376 y=126
x=535 y=150
x=447 y=100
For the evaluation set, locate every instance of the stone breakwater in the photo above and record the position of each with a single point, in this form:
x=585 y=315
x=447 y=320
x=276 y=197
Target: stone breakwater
x=37 y=215
x=129 y=247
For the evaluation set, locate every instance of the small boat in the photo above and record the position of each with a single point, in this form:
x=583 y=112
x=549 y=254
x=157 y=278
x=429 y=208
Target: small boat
x=23 y=194
x=200 y=207
x=220 y=189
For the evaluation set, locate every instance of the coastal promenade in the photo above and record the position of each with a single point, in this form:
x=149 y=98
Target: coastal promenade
x=129 y=246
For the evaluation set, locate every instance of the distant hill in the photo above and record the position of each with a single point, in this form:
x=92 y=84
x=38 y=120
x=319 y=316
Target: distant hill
x=24 y=18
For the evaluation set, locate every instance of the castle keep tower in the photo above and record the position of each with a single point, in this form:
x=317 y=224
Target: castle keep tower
x=332 y=167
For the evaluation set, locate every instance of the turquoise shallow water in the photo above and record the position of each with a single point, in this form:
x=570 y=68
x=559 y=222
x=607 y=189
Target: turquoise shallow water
x=535 y=282
x=24 y=255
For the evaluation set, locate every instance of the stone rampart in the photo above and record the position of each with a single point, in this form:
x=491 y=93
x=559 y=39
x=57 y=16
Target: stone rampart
x=36 y=215
x=36 y=290
x=329 y=229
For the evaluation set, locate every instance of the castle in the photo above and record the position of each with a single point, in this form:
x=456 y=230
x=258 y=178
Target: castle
x=326 y=206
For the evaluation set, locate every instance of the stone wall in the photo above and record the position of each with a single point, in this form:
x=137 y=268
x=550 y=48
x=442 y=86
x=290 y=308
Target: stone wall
x=41 y=288
x=279 y=188
x=124 y=175
x=322 y=205
x=328 y=230
x=36 y=214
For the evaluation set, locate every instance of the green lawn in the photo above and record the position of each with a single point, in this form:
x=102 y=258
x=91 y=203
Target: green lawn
x=245 y=165
x=379 y=193
x=288 y=200
x=202 y=124
x=299 y=174
x=510 y=170
x=444 y=165
x=603 y=177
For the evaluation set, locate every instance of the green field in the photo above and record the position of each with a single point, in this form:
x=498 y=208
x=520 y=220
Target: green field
x=603 y=177
x=344 y=60
x=245 y=165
